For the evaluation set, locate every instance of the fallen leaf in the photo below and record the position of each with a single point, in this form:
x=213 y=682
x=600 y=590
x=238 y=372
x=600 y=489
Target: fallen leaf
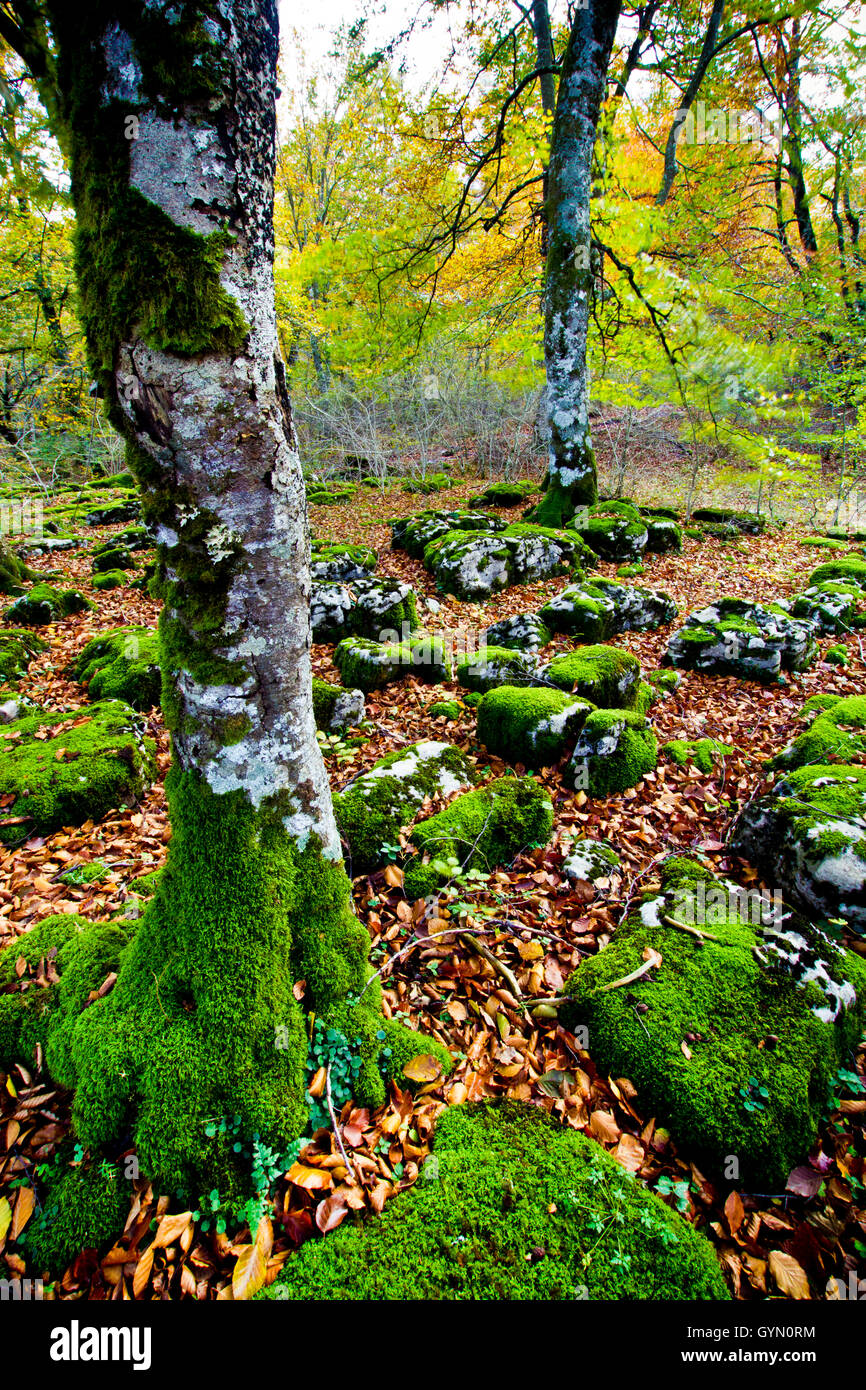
x=790 y=1276
x=423 y=1068
x=330 y=1213
x=734 y=1212
x=170 y=1229
x=23 y=1211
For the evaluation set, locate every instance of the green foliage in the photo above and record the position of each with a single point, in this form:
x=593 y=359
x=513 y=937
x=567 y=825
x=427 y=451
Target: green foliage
x=122 y=664
x=17 y=649
x=44 y=604
x=83 y=1207
x=703 y=752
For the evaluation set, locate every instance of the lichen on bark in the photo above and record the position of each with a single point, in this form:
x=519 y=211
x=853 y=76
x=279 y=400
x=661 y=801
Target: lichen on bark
x=252 y=929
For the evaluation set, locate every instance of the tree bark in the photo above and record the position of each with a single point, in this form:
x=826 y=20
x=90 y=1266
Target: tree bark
x=571 y=476
x=169 y=117
x=707 y=53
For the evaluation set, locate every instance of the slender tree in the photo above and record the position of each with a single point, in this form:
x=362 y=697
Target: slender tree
x=167 y=115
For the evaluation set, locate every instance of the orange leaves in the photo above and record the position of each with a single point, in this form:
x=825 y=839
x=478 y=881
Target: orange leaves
x=423 y=1068
x=248 y=1275
x=23 y=1211
x=171 y=1228
x=790 y=1277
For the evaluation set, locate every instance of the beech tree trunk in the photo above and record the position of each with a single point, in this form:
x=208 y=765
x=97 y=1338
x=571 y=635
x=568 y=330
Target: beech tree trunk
x=167 y=115
x=571 y=476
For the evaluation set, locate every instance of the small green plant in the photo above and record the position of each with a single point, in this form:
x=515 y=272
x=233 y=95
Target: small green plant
x=679 y=1190
x=754 y=1095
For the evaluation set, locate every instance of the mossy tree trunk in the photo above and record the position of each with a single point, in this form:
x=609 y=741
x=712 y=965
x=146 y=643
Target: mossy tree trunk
x=570 y=481
x=168 y=118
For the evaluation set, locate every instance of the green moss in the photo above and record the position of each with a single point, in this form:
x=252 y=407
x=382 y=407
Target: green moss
x=373 y=810
x=122 y=664
x=92 y=761
x=17 y=649
x=529 y=726
x=608 y=676
x=445 y=709
x=14 y=574
x=511 y=1206
x=493 y=666
x=325 y=697
x=367 y=665
x=82 y=1208
x=44 y=604
x=853 y=570
x=836 y=656
x=837 y=735
x=113 y=557
x=722 y=996
x=703 y=752
x=504 y=494
x=110 y=579
x=481 y=830
x=616 y=748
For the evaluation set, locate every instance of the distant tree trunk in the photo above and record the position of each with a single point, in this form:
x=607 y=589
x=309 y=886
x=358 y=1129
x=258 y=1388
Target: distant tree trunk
x=707 y=53
x=169 y=118
x=544 y=57
x=571 y=477
x=793 y=144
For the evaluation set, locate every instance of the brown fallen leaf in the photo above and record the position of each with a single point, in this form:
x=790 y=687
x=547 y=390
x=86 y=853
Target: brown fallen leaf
x=23 y=1211
x=309 y=1178
x=630 y=1153
x=141 y=1278
x=170 y=1229
x=248 y=1275
x=330 y=1213
x=604 y=1126
x=734 y=1212
x=423 y=1068
x=790 y=1276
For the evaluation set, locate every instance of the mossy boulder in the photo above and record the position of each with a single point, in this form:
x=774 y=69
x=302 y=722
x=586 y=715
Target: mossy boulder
x=837 y=656
x=368 y=665
x=809 y=835
x=664 y=683
x=839 y=571
x=480 y=830
x=122 y=665
x=614 y=530
x=608 y=676
x=110 y=579
x=732 y=520
x=332 y=562
x=734 y=637
x=445 y=709
x=17 y=650
x=373 y=810
x=703 y=752
x=614 y=750
x=831 y=605
x=112 y=557
x=14 y=574
x=111 y=513
x=837 y=734
x=599 y=608
x=530 y=726
x=504 y=494
x=44 y=604
x=492 y=666
x=475 y=565
x=363 y=608
x=414 y=533
x=663 y=534
x=335 y=707
x=512 y=1206
x=733 y=1037
x=64 y=769
x=525 y=632
x=588 y=860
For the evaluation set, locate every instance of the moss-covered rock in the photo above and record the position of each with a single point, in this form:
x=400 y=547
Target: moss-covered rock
x=505 y=494
x=17 y=650
x=735 y=637
x=530 y=726
x=831 y=606
x=599 y=608
x=663 y=534
x=839 y=571
x=588 y=860
x=369 y=665
x=665 y=683
x=110 y=579
x=445 y=709
x=733 y=1037
x=122 y=664
x=474 y=565
x=14 y=573
x=44 y=604
x=511 y=1205
x=63 y=769
x=480 y=830
x=112 y=557
x=703 y=752
x=492 y=666
x=608 y=676
x=525 y=632
x=332 y=562
x=382 y=610
x=837 y=656
x=414 y=533
x=731 y=519
x=335 y=707
x=809 y=835
x=614 y=530
x=836 y=735
x=614 y=750
x=373 y=810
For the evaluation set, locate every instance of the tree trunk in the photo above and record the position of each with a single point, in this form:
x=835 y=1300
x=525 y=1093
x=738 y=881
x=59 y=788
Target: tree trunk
x=571 y=476
x=169 y=118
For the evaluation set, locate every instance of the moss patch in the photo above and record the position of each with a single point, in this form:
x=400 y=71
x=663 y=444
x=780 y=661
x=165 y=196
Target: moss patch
x=529 y=726
x=44 y=604
x=607 y=676
x=510 y=1206
x=122 y=665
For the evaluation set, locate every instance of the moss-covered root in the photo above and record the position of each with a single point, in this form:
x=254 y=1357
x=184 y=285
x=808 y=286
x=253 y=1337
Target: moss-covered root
x=511 y=1205
x=204 y=1021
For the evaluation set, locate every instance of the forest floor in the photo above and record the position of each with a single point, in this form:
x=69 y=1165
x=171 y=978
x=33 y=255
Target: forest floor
x=789 y=1243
